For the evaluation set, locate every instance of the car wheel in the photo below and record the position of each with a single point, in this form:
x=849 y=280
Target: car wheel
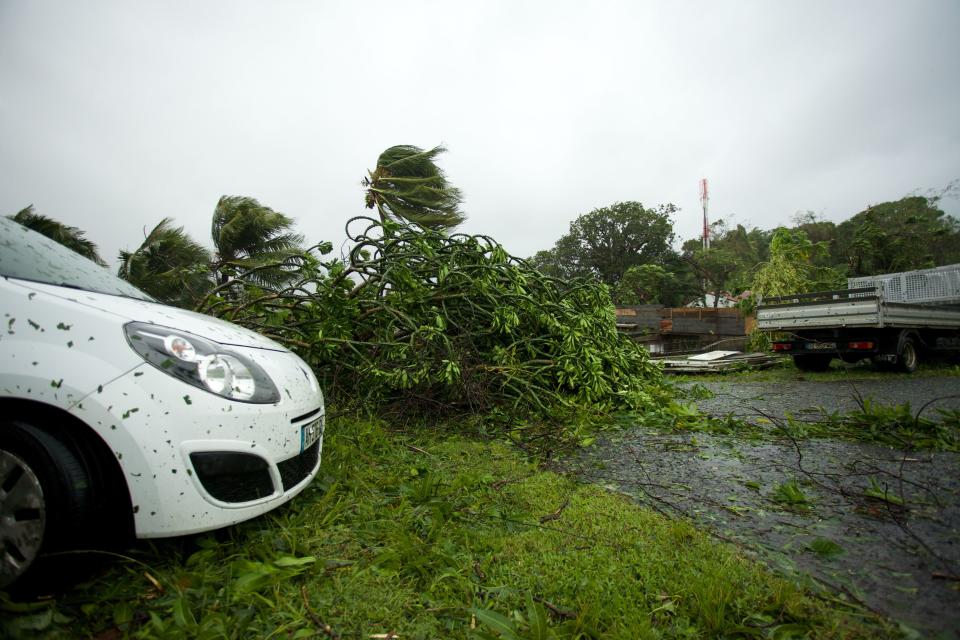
x=908 y=358
x=817 y=362
x=44 y=495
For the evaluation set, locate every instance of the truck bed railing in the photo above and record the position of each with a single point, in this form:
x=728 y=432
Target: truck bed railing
x=923 y=286
x=817 y=297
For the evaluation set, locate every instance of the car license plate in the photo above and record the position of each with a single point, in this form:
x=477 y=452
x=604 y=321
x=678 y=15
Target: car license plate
x=822 y=346
x=310 y=433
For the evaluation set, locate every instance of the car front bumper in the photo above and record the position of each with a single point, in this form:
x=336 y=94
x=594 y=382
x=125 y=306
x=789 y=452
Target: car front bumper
x=195 y=461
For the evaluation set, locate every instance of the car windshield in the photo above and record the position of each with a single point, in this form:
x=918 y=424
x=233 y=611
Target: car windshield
x=29 y=255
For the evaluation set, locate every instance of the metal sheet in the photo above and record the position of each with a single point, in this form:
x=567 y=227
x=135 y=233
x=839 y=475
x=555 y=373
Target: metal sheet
x=713 y=355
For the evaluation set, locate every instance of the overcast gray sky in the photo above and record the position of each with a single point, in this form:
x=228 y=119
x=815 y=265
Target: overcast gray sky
x=116 y=114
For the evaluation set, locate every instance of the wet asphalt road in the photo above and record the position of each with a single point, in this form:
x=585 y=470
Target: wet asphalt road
x=803 y=399
x=892 y=558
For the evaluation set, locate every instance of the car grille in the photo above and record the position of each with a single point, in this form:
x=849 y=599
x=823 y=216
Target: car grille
x=295 y=469
x=233 y=477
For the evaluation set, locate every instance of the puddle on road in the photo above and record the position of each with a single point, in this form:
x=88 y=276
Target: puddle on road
x=885 y=555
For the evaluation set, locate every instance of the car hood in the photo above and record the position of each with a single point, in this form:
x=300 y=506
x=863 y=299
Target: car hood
x=131 y=309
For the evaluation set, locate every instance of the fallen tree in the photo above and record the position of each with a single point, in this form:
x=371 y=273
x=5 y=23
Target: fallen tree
x=429 y=320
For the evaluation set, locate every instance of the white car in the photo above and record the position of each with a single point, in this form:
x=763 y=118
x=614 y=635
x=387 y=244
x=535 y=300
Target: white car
x=120 y=415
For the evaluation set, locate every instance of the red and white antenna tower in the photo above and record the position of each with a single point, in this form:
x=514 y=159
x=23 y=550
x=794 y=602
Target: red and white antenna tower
x=704 y=201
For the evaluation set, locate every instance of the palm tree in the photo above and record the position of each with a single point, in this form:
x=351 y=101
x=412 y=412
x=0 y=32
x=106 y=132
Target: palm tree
x=70 y=237
x=407 y=185
x=248 y=235
x=169 y=265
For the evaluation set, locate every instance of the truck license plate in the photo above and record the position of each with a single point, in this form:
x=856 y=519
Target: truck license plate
x=310 y=433
x=821 y=346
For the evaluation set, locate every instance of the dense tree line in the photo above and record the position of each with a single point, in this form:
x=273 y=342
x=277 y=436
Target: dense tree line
x=630 y=248
x=626 y=246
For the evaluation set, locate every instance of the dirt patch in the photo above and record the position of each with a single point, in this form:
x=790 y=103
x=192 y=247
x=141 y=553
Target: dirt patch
x=877 y=526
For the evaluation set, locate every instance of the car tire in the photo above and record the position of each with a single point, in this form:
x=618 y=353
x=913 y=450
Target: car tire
x=815 y=362
x=908 y=356
x=46 y=497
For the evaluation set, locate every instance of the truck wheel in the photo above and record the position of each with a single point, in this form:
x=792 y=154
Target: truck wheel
x=908 y=357
x=816 y=362
x=44 y=493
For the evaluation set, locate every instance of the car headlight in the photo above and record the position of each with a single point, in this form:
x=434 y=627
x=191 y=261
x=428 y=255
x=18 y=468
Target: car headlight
x=203 y=363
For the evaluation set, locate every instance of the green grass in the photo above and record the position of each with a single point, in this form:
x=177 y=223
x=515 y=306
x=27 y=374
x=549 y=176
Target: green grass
x=440 y=536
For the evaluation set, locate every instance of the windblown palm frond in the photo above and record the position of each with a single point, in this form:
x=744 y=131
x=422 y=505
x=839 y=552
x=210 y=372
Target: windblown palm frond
x=407 y=185
x=249 y=235
x=169 y=265
x=70 y=237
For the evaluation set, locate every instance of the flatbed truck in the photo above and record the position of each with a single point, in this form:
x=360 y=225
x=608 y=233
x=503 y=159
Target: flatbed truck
x=894 y=319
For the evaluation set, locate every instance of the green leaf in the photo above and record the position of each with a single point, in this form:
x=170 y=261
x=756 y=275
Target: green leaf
x=291 y=561
x=199 y=557
x=880 y=492
x=254 y=577
x=825 y=547
x=790 y=631
x=182 y=615
x=537 y=618
x=496 y=622
x=156 y=622
x=34 y=622
x=8 y=605
x=122 y=613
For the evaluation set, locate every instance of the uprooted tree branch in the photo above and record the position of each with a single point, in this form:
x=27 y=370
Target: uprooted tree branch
x=430 y=320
